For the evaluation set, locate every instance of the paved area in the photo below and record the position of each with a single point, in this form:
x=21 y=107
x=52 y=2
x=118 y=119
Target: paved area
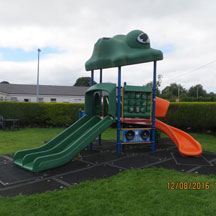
x=101 y=162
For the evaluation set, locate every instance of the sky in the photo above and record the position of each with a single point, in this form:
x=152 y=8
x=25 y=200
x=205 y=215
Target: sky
x=66 y=31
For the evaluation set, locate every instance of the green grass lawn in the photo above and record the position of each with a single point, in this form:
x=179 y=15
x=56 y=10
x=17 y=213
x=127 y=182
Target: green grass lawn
x=134 y=192
x=130 y=193
x=12 y=141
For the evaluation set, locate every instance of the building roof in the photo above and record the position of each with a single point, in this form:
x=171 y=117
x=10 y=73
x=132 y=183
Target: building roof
x=43 y=89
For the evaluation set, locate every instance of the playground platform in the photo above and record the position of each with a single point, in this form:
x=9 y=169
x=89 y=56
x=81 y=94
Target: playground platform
x=101 y=162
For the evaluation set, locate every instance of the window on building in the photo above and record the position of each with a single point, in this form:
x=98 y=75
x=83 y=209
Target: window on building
x=41 y=99
x=26 y=100
x=1 y=98
x=66 y=100
x=53 y=100
x=14 y=99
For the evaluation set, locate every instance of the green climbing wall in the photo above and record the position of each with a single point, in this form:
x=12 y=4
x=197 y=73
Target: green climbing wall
x=137 y=102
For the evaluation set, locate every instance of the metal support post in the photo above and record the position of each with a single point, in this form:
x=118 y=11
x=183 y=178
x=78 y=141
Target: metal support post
x=118 y=144
x=101 y=73
x=92 y=83
x=37 y=87
x=153 y=104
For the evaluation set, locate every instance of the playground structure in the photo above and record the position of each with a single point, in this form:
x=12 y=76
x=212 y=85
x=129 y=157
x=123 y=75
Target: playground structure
x=134 y=105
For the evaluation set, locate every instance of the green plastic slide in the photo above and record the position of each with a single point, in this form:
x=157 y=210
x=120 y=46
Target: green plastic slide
x=64 y=147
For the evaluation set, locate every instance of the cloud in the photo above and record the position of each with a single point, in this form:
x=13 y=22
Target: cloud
x=184 y=28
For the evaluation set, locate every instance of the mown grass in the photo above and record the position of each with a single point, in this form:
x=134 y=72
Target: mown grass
x=135 y=192
x=207 y=141
x=12 y=141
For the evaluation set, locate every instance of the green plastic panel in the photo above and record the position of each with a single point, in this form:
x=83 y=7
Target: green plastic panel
x=138 y=89
x=20 y=155
x=91 y=100
x=121 y=50
x=137 y=102
x=65 y=149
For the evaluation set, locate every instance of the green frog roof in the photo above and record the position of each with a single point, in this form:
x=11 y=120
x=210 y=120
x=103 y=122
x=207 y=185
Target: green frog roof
x=121 y=50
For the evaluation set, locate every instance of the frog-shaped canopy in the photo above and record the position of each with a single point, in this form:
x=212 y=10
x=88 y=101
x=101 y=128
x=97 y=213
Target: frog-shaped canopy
x=121 y=50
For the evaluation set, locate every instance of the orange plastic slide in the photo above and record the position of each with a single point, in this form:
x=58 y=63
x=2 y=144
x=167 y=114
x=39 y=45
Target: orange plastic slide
x=185 y=143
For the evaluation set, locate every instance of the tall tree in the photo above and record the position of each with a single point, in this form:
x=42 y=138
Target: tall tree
x=158 y=83
x=84 y=81
x=173 y=91
x=4 y=82
x=197 y=91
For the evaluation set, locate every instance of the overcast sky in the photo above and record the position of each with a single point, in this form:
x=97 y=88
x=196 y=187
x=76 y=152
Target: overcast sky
x=66 y=31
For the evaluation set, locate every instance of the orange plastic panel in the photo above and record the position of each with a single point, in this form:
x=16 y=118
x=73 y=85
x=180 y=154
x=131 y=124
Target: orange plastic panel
x=185 y=143
x=161 y=107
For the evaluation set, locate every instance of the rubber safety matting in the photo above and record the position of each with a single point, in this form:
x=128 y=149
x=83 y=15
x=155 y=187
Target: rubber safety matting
x=3 y=159
x=170 y=164
x=199 y=160
x=33 y=187
x=102 y=157
x=136 y=161
x=93 y=173
x=101 y=162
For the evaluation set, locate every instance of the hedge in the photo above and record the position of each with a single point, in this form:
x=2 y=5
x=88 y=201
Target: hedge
x=41 y=114
x=193 y=116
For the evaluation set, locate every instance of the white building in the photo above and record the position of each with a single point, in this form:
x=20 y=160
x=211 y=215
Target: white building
x=47 y=93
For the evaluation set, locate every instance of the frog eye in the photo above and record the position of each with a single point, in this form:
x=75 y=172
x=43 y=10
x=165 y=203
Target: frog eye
x=143 y=38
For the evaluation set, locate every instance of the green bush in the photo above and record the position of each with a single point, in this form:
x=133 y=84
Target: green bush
x=194 y=116
x=41 y=114
x=200 y=99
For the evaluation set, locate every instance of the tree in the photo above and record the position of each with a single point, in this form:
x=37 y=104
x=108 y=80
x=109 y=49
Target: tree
x=158 y=84
x=4 y=82
x=174 y=91
x=197 y=91
x=84 y=81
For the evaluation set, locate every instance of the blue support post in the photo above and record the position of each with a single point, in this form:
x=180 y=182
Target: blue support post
x=80 y=113
x=99 y=137
x=118 y=144
x=92 y=83
x=92 y=78
x=153 y=105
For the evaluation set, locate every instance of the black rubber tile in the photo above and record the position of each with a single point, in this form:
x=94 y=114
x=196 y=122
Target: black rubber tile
x=206 y=170
x=102 y=157
x=137 y=148
x=171 y=164
x=209 y=156
x=72 y=166
x=136 y=161
x=200 y=160
x=163 y=155
x=104 y=143
x=31 y=188
x=88 y=152
x=4 y=160
x=10 y=174
x=10 y=155
x=165 y=142
x=105 y=146
x=92 y=173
